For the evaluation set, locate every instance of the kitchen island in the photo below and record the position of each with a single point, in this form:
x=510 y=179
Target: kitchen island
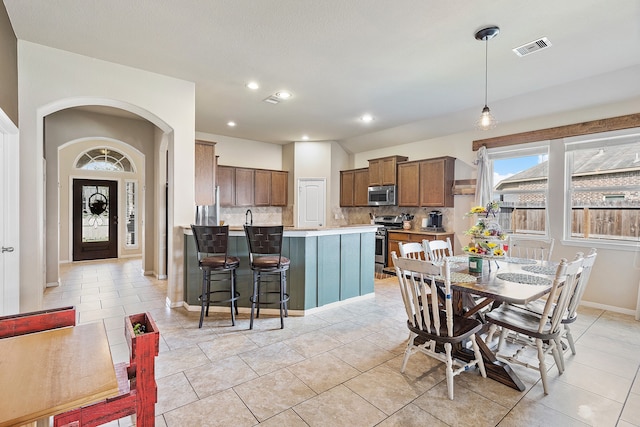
x=328 y=266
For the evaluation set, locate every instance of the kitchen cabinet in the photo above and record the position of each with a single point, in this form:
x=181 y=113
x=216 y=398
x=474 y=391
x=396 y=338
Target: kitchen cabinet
x=279 y=188
x=395 y=237
x=354 y=186
x=262 y=189
x=252 y=187
x=383 y=171
x=205 y=172
x=426 y=183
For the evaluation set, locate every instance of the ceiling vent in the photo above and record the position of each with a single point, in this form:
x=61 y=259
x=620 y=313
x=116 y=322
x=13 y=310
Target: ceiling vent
x=272 y=99
x=534 y=46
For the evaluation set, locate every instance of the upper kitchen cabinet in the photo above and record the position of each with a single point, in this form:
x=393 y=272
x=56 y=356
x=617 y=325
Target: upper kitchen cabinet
x=353 y=187
x=427 y=183
x=279 y=188
x=205 y=172
x=383 y=171
x=252 y=187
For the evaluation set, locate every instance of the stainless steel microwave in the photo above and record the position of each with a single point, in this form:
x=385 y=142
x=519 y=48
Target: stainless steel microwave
x=384 y=195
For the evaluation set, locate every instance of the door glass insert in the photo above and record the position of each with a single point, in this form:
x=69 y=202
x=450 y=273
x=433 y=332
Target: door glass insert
x=95 y=213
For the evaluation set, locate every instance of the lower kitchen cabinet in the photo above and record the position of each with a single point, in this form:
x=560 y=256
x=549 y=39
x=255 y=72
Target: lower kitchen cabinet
x=396 y=237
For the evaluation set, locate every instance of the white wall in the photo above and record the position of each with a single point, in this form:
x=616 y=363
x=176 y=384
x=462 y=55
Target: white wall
x=245 y=152
x=615 y=277
x=52 y=79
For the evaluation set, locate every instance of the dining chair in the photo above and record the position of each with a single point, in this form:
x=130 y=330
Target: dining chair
x=412 y=250
x=218 y=268
x=530 y=247
x=432 y=326
x=572 y=308
x=540 y=331
x=436 y=250
x=266 y=260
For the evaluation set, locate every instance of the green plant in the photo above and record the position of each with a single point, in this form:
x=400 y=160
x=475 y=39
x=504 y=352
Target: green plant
x=139 y=328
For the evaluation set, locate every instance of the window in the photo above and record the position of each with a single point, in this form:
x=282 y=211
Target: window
x=131 y=210
x=603 y=178
x=520 y=182
x=104 y=159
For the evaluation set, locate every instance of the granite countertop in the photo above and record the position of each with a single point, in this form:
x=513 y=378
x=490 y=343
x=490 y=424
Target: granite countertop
x=418 y=231
x=235 y=230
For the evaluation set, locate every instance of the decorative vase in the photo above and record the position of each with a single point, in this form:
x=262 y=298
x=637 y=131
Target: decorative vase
x=406 y=225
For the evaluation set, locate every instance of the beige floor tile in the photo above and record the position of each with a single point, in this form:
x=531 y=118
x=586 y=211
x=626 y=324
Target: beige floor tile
x=386 y=388
x=583 y=405
x=599 y=382
x=339 y=407
x=312 y=343
x=287 y=418
x=223 y=346
x=467 y=408
x=273 y=393
x=323 y=372
x=412 y=416
x=271 y=358
x=220 y=375
x=188 y=337
x=362 y=354
x=421 y=371
x=538 y=415
x=636 y=385
x=631 y=412
x=223 y=409
x=348 y=331
x=600 y=341
x=174 y=391
x=602 y=358
x=171 y=362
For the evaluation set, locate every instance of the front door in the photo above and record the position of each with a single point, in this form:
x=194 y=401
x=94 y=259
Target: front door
x=95 y=219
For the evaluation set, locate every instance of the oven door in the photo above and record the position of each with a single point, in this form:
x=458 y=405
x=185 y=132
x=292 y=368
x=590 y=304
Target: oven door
x=381 y=248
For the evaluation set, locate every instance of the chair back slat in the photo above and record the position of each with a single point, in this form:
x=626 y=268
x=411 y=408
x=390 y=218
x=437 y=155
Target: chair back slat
x=417 y=280
x=411 y=250
x=583 y=280
x=532 y=248
x=437 y=250
x=564 y=284
x=264 y=240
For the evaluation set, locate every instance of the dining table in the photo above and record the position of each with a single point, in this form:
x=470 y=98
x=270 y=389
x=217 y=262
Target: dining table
x=52 y=371
x=509 y=280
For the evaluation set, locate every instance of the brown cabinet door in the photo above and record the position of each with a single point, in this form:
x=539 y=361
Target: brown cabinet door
x=346 y=187
x=436 y=182
x=244 y=187
x=262 y=189
x=409 y=184
x=205 y=177
x=392 y=245
x=375 y=172
x=389 y=175
x=227 y=182
x=361 y=187
x=279 y=188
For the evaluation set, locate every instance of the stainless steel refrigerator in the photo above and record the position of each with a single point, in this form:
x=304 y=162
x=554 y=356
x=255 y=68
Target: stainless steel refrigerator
x=209 y=214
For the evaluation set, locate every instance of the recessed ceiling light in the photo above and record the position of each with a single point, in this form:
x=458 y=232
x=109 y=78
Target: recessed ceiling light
x=367 y=118
x=305 y=137
x=231 y=124
x=253 y=85
x=283 y=94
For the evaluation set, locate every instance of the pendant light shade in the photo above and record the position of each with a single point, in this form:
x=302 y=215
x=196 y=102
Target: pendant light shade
x=486 y=120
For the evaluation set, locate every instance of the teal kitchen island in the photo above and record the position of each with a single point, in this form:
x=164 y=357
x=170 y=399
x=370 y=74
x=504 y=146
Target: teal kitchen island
x=328 y=266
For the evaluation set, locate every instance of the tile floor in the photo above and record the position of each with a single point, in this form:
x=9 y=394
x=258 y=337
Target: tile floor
x=341 y=367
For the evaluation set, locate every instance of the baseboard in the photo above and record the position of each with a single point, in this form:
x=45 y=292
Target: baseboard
x=609 y=308
x=53 y=284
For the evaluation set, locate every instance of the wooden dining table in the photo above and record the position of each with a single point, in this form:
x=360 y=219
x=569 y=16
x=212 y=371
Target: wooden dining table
x=493 y=291
x=49 y=372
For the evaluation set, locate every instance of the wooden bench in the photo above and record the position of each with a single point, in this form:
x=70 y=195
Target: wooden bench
x=37 y=321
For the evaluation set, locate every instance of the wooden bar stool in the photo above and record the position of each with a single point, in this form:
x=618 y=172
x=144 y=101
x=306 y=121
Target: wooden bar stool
x=214 y=262
x=265 y=255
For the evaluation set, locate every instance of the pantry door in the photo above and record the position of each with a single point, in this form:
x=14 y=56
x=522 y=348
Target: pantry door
x=311 y=203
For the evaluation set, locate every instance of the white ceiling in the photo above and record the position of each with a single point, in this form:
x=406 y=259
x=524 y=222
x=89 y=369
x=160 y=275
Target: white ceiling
x=413 y=64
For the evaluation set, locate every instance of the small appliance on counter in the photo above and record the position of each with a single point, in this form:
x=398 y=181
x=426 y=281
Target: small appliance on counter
x=433 y=222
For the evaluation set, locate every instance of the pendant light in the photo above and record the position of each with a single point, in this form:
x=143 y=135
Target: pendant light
x=486 y=120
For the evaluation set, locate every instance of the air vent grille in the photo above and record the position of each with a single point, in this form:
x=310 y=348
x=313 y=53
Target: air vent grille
x=272 y=99
x=532 y=47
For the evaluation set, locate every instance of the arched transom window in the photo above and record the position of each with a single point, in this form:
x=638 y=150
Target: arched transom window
x=104 y=159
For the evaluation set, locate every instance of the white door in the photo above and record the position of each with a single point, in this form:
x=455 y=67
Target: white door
x=9 y=212
x=311 y=202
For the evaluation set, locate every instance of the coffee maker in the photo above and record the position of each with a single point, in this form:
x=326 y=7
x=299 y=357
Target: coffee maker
x=434 y=221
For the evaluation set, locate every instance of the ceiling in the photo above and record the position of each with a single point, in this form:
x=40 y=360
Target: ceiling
x=414 y=65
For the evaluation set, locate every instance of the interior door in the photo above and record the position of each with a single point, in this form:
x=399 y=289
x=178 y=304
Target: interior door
x=95 y=219
x=311 y=206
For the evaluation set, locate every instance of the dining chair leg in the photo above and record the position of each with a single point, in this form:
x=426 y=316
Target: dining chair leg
x=560 y=352
x=542 y=367
x=478 y=356
x=449 y=370
x=408 y=352
x=570 y=339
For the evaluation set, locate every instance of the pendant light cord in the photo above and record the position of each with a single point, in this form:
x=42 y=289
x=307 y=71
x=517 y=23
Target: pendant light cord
x=486 y=69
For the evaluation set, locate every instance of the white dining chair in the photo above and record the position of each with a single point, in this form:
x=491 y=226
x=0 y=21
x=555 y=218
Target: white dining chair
x=436 y=250
x=530 y=247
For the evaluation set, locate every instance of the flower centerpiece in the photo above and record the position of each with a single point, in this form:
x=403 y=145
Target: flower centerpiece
x=486 y=234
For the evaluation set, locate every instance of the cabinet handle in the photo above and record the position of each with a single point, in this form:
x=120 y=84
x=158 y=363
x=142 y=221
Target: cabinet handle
x=7 y=249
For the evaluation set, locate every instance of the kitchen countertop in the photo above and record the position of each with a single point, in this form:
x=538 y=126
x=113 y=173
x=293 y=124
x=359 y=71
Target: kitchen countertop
x=430 y=233
x=304 y=232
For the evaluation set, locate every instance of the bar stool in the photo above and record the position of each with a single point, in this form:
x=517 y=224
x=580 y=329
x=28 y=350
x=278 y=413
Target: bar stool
x=265 y=256
x=211 y=242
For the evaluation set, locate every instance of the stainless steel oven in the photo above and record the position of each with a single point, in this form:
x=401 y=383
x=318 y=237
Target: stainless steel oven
x=385 y=223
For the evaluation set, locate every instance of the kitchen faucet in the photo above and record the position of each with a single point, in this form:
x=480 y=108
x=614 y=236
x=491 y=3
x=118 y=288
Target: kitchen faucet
x=248 y=214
